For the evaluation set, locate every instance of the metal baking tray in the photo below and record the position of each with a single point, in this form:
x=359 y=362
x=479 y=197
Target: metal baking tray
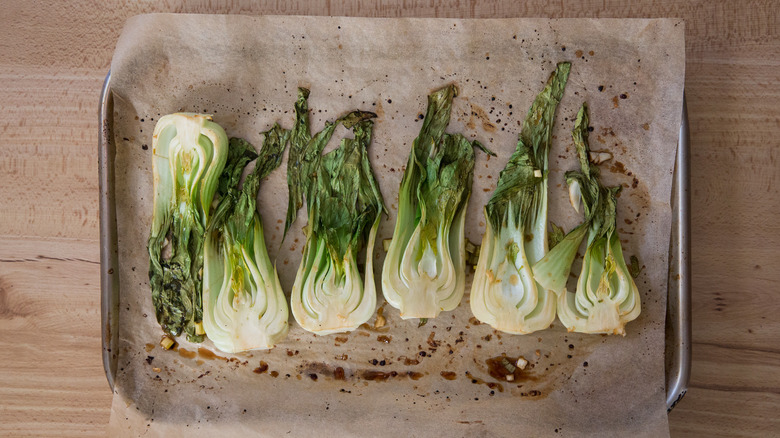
x=678 y=319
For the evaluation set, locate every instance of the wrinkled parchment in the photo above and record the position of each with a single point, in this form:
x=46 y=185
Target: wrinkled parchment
x=245 y=71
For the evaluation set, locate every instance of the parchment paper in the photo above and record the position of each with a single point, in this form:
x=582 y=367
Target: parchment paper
x=245 y=71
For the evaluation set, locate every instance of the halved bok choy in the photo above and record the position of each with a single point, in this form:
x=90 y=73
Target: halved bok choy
x=425 y=269
x=606 y=297
x=244 y=306
x=504 y=292
x=189 y=153
x=344 y=206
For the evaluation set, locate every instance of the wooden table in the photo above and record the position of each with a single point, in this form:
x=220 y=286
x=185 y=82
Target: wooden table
x=53 y=58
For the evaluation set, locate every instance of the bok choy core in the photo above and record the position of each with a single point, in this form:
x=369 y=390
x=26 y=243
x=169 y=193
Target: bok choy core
x=344 y=206
x=425 y=268
x=244 y=306
x=504 y=293
x=189 y=153
x=606 y=297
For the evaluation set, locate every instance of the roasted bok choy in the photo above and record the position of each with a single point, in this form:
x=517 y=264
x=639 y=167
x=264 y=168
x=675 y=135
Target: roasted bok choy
x=425 y=268
x=189 y=153
x=344 y=206
x=606 y=297
x=504 y=293
x=244 y=306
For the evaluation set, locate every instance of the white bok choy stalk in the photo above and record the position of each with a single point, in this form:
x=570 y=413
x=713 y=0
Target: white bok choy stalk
x=504 y=293
x=244 y=306
x=344 y=207
x=425 y=269
x=606 y=297
x=189 y=153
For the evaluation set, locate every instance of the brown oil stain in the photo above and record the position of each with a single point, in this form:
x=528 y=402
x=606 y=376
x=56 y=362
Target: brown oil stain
x=646 y=126
x=380 y=111
x=578 y=53
x=618 y=167
x=183 y=352
x=409 y=361
x=261 y=369
x=414 y=375
x=339 y=373
x=478 y=381
x=341 y=339
x=205 y=353
x=149 y=347
x=615 y=101
x=380 y=376
x=384 y=339
x=591 y=53
x=433 y=342
x=482 y=117
x=449 y=375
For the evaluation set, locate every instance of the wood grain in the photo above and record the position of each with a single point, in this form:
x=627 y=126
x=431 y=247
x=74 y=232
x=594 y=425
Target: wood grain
x=53 y=57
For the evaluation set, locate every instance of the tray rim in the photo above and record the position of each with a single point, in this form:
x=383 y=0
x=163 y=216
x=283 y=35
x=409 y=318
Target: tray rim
x=678 y=291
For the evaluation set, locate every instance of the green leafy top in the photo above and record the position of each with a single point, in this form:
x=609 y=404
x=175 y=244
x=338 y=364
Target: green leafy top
x=344 y=199
x=606 y=297
x=437 y=165
x=297 y=165
x=306 y=152
x=238 y=207
x=599 y=202
x=516 y=192
x=600 y=208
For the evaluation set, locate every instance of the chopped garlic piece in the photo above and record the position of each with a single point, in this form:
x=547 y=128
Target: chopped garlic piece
x=167 y=342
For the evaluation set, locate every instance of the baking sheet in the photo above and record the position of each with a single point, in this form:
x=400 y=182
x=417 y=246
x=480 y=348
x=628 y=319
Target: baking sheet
x=245 y=70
